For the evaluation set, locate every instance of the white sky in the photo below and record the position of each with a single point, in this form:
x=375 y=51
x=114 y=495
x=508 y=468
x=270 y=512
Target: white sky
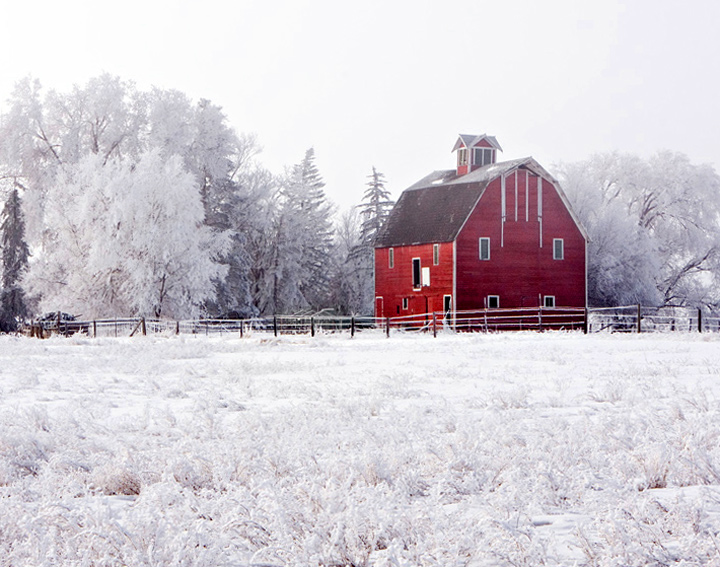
x=391 y=83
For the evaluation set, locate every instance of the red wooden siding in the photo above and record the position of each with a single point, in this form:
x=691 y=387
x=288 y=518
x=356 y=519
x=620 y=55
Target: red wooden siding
x=520 y=270
x=394 y=284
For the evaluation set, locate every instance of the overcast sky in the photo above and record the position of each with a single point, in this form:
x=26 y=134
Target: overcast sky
x=391 y=83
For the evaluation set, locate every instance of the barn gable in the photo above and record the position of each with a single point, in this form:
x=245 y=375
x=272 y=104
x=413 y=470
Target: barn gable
x=435 y=208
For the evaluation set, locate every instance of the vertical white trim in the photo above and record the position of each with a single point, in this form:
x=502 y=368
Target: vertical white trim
x=516 y=196
x=527 y=196
x=374 y=275
x=503 y=210
x=586 y=273
x=540 y=200
x=454 y=284
x=540 y=204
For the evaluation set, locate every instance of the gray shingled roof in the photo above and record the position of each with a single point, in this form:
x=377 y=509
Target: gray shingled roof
x=471 y=139
x=435 y=208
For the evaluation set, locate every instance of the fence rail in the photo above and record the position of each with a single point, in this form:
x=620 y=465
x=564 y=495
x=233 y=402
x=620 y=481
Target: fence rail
x=624 y=319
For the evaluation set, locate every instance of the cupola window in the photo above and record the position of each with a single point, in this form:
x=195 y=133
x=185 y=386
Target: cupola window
x=462 y=157
x=483 y=156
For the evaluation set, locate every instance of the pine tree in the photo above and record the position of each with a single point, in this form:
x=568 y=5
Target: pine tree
x=304 y=238
x=14 y=257
x=374 y=211
x=375 y=208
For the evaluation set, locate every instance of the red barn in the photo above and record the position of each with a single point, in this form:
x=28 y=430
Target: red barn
x=483 y=235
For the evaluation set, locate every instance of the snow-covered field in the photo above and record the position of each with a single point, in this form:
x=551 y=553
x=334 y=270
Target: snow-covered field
x=478 y=450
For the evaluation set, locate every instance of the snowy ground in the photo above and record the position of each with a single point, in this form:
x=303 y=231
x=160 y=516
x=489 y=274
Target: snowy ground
x=478 y=450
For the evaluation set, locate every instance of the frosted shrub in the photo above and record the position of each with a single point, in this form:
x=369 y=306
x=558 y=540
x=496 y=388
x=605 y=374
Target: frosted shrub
x=113 y=479
x=366 y=452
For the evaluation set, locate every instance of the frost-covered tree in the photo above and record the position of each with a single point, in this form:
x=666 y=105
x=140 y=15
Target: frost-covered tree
x=45 y=139
x=654 y=227
x=356 y=271
x=126 y=238
x=300 y=241
x=375 y=208
x=15 y=255
x=351 y=276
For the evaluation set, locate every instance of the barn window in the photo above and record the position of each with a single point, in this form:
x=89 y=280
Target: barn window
x=493 y=301
x=484 y=248
x=436 y=254
x=417 y=281
x=391 y=258
x=549 y=301
x=462 y=156
x=405 y=303
x=447 y=304
x=558 y=249
x=482 y=156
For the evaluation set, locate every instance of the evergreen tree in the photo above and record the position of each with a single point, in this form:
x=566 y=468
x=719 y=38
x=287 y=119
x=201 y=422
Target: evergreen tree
x=304 y=237
x=375 y=208
x=14 y=258
x=358 y=277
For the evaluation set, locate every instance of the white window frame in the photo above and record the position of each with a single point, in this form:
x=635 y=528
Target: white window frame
x=557 y=241
x=462 y=157
x=436 y=254
x=482 y=151
x=417 y=284
x=480 y=248
x=496 y=298
x=391 y=258
x=405 y=303
x=548 y=302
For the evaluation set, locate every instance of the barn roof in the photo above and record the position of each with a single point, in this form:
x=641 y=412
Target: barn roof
x=469 y=140
x=435 y=208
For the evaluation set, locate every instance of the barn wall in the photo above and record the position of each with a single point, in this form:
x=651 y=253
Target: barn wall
x=393 y=284
x=520 y=270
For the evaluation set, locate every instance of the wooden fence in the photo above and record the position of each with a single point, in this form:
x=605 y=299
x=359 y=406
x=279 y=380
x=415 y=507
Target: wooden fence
x=626 y=319
x=642 y=319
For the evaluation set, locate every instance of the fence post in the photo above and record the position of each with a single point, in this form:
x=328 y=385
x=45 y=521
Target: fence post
x=144 y=329
x=434 y=325
x=387 y=327
x=586 y=323
x=312 y=326
x=275 y=324
x=639 y=325
x=699 y=320
x=177 y=327
x=94 y=329
x=352 y=326
x=540 y=318
x=241 y=328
